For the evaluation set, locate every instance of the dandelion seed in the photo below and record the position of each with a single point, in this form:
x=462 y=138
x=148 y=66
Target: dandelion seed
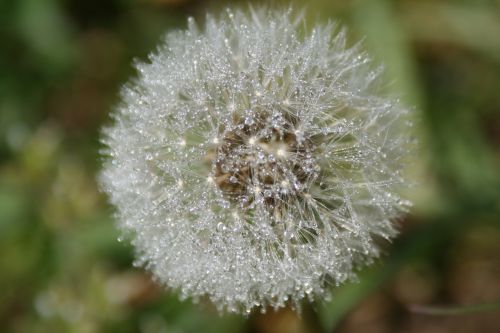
x=255 y=166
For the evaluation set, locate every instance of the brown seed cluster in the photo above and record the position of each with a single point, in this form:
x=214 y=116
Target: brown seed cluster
x=257 y=162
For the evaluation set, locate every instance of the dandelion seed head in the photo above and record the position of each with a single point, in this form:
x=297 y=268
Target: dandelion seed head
x=255 y=166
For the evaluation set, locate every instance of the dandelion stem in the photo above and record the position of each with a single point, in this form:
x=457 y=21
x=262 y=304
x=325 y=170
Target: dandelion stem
x=311 y=318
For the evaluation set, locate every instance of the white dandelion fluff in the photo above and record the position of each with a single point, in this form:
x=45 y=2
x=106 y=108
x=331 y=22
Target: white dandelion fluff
x=254 y=162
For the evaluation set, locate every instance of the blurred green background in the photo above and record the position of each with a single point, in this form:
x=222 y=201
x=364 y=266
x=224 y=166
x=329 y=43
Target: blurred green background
x=62 y=268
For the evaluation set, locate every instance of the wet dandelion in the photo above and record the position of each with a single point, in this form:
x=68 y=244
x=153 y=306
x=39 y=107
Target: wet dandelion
x=254 y=163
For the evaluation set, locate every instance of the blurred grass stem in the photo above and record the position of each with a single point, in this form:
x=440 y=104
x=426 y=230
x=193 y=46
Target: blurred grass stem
x=454 y=310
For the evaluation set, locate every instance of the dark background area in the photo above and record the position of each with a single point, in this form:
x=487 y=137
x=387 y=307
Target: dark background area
x=62 y=269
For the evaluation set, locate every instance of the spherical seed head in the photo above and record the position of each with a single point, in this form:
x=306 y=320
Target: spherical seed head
x=255 y=166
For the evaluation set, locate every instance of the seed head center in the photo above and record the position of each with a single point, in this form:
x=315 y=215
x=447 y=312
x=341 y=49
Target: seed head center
x=261 y=164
